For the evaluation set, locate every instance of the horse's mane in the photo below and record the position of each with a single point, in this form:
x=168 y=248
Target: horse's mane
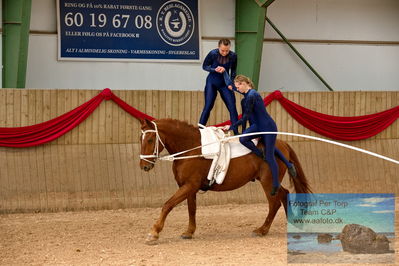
x=183 y=126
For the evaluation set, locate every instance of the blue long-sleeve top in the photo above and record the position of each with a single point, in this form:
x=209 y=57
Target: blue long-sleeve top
x=254 y=110
x=229 y=62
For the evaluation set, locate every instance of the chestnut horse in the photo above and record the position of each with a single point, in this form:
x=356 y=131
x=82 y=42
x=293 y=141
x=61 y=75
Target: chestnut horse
x=191 y=173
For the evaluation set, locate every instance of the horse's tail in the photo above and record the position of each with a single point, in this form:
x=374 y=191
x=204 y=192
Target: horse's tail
x=301 y=184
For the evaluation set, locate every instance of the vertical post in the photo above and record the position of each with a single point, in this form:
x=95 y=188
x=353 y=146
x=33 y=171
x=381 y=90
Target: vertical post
x=16 y=24
x=250 y=27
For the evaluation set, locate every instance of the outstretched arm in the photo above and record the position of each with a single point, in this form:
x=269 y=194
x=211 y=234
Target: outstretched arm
x=249 y=108
x=230 y=83
x=234 y=88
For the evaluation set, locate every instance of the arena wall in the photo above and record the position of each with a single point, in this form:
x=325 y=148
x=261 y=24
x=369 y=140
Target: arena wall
x=95 y=166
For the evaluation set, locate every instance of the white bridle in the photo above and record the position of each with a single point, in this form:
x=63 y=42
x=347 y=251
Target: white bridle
x=171 y=157
x=155 y=154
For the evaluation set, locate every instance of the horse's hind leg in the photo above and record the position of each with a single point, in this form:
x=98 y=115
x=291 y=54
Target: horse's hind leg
x=283 y=198
x=274 y=205
x=180 y=195
x=192 y=208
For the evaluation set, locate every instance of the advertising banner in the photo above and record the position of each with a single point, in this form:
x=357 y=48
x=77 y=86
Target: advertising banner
x=155 y=30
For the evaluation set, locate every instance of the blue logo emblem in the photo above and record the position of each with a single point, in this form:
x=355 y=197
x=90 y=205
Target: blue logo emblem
x=175 y=23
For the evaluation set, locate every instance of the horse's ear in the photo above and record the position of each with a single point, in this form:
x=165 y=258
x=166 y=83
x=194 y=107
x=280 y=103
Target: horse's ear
x=145 y=123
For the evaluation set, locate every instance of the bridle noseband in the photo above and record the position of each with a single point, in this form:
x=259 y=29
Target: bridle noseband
x=155 y=154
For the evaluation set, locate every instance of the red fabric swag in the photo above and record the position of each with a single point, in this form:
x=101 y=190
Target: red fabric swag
x=50 y=130
x=338 y=127
x=335 y=127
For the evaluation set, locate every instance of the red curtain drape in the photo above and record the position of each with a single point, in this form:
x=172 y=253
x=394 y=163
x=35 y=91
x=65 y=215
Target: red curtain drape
x=338 y=127
x=50 y=130
x=335 y=127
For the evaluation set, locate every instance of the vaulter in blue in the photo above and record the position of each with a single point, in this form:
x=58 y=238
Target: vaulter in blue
x=221 y=63
x=254 y=110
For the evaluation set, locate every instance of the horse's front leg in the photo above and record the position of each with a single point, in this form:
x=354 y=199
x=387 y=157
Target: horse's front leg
x=192 y=208
x=180 y=195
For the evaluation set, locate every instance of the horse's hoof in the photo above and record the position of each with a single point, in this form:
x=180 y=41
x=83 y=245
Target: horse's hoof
x=274 y=191
x=258 y=233
x=185 y=236
x=151 y=240
x=292 y=171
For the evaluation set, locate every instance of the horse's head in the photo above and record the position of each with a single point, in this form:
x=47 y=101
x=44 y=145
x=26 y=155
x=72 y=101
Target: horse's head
x=151 y=144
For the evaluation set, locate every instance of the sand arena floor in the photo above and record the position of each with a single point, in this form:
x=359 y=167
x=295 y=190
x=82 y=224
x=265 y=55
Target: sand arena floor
x=117 y=237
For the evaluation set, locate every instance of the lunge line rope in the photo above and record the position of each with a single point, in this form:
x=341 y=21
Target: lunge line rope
x=172 y=157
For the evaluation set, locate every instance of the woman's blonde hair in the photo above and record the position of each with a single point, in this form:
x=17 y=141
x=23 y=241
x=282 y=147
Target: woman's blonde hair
x=242 y=78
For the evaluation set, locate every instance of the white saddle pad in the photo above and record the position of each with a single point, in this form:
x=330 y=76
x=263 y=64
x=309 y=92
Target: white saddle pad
x=237 y=149
x=209 y=140
x=220 y=152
